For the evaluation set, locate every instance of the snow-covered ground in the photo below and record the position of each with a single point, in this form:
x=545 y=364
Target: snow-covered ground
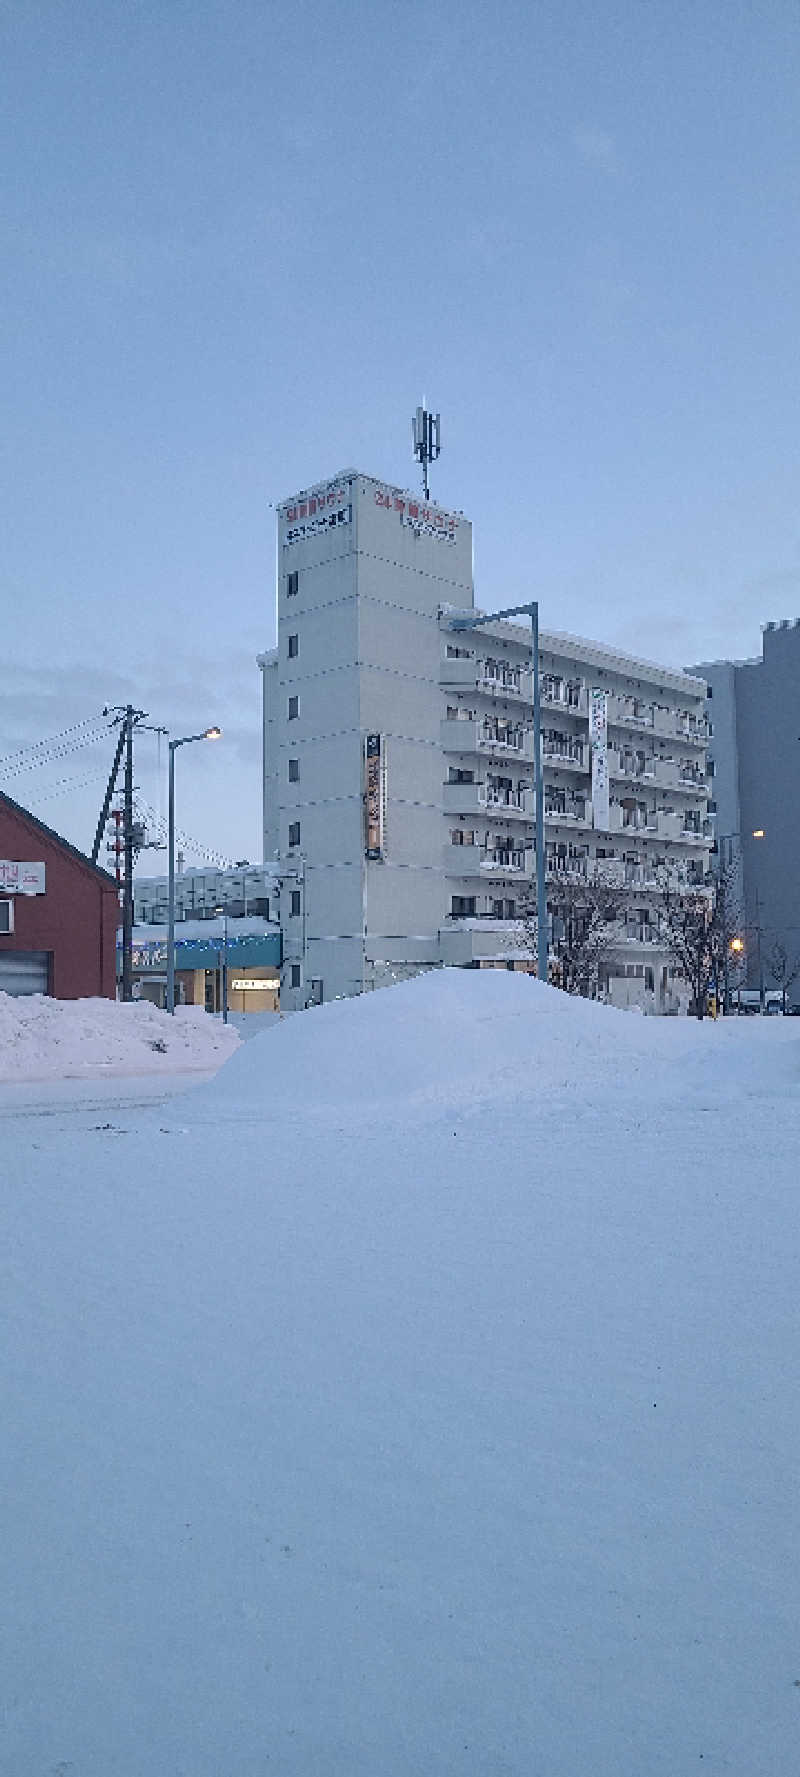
x=416 y=1398
x=46 y=1039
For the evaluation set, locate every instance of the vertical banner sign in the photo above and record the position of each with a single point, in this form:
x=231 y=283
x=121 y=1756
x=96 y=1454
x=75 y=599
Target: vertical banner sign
x=598 y=734
x=373 y=799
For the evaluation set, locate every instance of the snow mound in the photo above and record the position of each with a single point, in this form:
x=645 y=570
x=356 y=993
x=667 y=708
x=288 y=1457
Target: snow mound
x=47 y=1039
x=409 y=1439
x=453 y=1036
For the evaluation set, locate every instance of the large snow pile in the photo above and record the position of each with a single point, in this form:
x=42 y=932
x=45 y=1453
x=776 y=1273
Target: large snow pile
x=459 y=1041
x=42 y=1038
x=418 y=1397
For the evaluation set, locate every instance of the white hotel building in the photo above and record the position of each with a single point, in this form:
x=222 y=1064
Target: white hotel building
x=398 y=759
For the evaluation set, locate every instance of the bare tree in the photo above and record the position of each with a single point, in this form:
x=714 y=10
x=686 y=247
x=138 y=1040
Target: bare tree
x=727 y=923
x=783 y=969
x=687 y=927
x=585 y=932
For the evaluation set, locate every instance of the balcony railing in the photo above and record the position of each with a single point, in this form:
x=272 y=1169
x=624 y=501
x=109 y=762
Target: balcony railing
x=560 y=752
x=478 y=797
x=496 y=859
x=514 y=799
x=568 y=811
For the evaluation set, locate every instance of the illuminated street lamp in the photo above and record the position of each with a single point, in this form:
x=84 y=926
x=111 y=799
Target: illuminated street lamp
x=736 y=945
x=184 y=741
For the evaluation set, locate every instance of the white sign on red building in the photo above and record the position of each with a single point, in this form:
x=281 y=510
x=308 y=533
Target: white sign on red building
x=21 y=879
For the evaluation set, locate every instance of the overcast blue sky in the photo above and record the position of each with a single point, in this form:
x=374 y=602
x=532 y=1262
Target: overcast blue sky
x=239 y=243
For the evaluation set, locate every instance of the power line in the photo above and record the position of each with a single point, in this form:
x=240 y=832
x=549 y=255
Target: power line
x=159 y=825
x=62 y=786
x=58 y=746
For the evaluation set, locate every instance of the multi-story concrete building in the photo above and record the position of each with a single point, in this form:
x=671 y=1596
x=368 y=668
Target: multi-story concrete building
x=225 y=919
x=755 y=755
x=398 y=759
x=241 y=891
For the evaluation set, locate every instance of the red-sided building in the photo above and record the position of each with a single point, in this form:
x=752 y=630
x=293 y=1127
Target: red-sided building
x=58 y=913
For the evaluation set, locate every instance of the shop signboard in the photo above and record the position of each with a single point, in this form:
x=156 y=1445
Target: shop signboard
x=21 y=879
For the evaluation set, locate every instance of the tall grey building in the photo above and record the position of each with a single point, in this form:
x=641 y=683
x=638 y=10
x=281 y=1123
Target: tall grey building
x=755 y=752
x=398 y=759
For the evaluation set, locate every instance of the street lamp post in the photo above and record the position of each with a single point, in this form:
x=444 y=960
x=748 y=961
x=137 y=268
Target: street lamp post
x=737 y=950
x=531 y=609
x=736 y=945
x=223 y=972
x=184 y=741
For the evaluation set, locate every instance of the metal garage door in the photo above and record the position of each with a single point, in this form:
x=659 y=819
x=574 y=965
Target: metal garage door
x=24 y=971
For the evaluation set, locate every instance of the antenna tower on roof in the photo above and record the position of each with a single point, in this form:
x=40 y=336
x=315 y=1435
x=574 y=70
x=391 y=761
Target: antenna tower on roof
x=426 y=434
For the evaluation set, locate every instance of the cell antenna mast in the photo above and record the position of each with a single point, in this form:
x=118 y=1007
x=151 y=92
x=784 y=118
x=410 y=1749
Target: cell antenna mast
x=426 y=433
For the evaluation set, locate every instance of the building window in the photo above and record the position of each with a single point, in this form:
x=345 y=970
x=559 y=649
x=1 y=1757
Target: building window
x=294 y=832
x=6 y=916
x=294 y=644
x=294 y=771
x=295 y=975
x=462 y=907
x=294 y=708
x=294 y=904
x=292 y=583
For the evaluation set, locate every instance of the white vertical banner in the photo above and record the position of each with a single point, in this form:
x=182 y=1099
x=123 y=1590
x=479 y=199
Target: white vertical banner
x=374 y=796
x=598 y=735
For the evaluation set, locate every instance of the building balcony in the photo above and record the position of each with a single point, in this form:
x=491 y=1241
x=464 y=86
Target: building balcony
x=473 y=736
x=569 y=703
x=681 y=725
x=623 y=713
x=563 y=758
x=631 y=774
x=573 y=814
x=497 y=861
x=479 y=860
x=511 y=804
x=559 y=869
x=672 y=825
x=479 y=798
x=478 y=675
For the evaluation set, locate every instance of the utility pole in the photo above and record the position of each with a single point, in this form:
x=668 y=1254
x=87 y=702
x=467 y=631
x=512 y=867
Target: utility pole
x=133 y=832
x=127 y=877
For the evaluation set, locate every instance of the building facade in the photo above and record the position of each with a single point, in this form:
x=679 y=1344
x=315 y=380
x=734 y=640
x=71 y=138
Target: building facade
x=241 y=892
x=58 y=913
x=225 y=920
x=755 y=756
x=398 y=759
